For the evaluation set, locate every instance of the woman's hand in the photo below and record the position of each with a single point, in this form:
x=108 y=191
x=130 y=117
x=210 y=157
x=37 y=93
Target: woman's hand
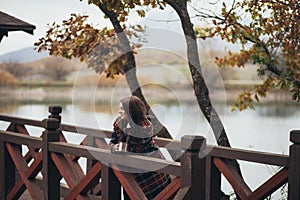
x=115 y=148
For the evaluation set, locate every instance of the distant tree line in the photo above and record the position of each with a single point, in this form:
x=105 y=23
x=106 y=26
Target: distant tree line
x=47 y=69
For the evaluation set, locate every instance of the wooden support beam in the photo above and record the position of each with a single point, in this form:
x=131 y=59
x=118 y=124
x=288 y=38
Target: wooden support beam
x=30 y=173
x=90 y=180
x=270 y=186
x=129 y=184
x=31 y=185
x=170 y=190
x=235 y=180
x=72 y=176
x=32 y=152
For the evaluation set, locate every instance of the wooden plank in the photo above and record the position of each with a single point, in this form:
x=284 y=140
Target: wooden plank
x=235 y=180
x=252 y=156
x=294 y=173
x=182 y=193
x=90 y=180
x=7 y=171
x=10 y=127
x=68 y=173
x=51 y=175
x=30 y=173
x=213 y=181
x=64 y=190
x=110 y=185
x=97 y=133
x=129 y=184
x=270 y=186
x=170 y=190
x=98 y=188
x=32 y=152
x=17 y=138
x=78 y=172
x=31 y=185
x=83 y=143
x=65 y=169
x=193 y=167
x=101 y=143
x=21 y=129
x=170 y=144
x=18 y=120
x=103 y=155
x=63 y=127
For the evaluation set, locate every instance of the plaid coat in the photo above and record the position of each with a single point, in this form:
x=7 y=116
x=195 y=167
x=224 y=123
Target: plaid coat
x=151 y=183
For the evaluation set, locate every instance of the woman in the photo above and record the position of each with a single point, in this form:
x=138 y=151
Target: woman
x=134 y=129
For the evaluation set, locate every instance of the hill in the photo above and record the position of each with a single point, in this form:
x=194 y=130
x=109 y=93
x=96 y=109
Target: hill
x=23 y=55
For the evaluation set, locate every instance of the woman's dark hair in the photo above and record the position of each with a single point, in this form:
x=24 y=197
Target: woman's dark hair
x=135 y=109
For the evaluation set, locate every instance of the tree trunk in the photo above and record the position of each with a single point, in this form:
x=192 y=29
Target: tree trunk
x=130 y=74
x=200 y=87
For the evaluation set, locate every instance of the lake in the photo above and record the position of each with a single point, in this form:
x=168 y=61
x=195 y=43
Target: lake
x=264 y=129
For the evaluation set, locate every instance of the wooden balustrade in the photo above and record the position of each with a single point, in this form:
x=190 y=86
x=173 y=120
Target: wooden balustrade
x=196 y=176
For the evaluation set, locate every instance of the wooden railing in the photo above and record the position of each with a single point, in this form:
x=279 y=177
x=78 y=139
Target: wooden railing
x=196 y=176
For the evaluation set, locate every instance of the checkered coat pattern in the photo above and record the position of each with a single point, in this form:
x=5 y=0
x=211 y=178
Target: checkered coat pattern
x=151 y=183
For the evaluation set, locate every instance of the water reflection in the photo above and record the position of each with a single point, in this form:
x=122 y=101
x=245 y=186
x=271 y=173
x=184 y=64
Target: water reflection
x=278 y=110
x=8 y=106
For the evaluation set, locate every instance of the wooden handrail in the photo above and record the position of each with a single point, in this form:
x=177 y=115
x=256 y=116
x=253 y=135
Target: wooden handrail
x=247 y=155
x=63 y=127
x=213 y=156
x=103 y=155
x=170 y=144
x=23 y=121
x=216 y=151
x=99 y=133
x=17 y=138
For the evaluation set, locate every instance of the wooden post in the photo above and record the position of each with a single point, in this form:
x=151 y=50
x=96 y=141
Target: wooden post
x=110 y=185
x=55 y=112
x=294 y=167
x=90 y=162
x=7 y=167
x=193 y=167
x=51 y=175
x=7 y=171
x=213 y=180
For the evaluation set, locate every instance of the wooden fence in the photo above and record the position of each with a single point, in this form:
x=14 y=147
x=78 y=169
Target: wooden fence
x=197 y=176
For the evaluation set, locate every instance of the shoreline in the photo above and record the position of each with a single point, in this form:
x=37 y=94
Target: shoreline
x=110 y=94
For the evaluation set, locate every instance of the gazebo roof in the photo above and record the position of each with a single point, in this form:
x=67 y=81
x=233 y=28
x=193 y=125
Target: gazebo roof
x=10 y=23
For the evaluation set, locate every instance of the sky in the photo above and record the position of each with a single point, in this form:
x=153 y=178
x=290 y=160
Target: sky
x=42 y=12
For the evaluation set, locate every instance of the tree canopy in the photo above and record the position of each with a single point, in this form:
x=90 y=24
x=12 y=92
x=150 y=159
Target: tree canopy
x=100 y=48
x=268 y=34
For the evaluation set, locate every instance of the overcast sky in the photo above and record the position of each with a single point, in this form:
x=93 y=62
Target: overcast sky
x=42 y=12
